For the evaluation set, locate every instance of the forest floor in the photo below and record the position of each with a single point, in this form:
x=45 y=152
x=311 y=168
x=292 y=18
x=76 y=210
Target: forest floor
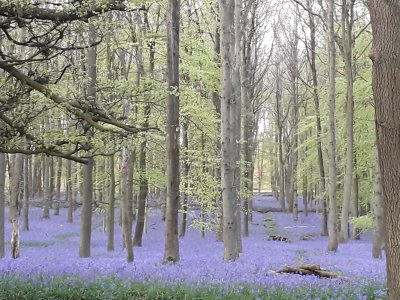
x=51 y=246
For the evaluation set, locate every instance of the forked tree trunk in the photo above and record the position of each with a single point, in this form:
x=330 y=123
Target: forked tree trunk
x=385 y=22
x=171 y=253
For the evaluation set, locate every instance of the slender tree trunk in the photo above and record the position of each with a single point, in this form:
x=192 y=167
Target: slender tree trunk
x=332 y=230
x=377 y=209
x=2 y=202
x=25 y=213
x=69 y=193
x=312 y=60
x=111 y=206
x=279 y=125
x=46 y=188
x=186 y=169
x=354 y=203
x=58 y=186
x=171 y=254
x=14 y=204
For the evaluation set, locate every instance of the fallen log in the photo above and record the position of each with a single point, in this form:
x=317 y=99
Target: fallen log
x=311 y=269
x=279 y=238
x=268 y=209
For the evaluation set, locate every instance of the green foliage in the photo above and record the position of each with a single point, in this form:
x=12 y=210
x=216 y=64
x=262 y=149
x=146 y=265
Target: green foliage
x=67 y=288
x=363 y=222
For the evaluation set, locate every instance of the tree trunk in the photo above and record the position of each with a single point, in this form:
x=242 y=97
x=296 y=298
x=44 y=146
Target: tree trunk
x=87 y=188
x=347 y=37
x=385 y=22
x=377 y=210
x=46 y=187
x=58 y=186
x=69 y=192
x=2 y=202
x=332 y=230
x=14 y=204
x=315 y=87
x=229 y=147
x=86 y=214
x=111 y=206
x=25 y=213
x=127 y=194
x=186 y=169
x=171 y=254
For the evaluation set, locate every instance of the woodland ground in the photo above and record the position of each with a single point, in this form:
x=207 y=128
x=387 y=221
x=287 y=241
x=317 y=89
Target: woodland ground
x=50 y=249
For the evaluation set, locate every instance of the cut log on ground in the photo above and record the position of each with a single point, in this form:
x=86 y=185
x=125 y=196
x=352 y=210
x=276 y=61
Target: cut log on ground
x=268 y=209
x=311 y=269
x=278 y=238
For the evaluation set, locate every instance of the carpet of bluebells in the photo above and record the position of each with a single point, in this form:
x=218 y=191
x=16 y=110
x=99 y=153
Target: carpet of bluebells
x=51 y=246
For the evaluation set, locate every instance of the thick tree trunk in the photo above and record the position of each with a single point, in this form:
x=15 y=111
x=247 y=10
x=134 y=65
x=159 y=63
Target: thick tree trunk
x=87 y=188
x=111 y=206
x=86 y=214
x=385 y=22
x=229 y=147
x=171 y=253
x=347 y=37
x=126 y=195
x=14 y=204
x=332 y=230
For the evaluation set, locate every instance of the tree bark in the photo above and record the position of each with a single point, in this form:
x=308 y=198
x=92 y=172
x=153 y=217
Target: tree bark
x=58 y=186
x=86 y=214
x=229 y=147
x=347 y=37
x=377 y=210
x=312 y=54
x=332 y=230
x=14 y=204
x=171 y=253
x=111 y=206
x=2 y=202
x=25 y=213
x=69 y=192
x=385 y=22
